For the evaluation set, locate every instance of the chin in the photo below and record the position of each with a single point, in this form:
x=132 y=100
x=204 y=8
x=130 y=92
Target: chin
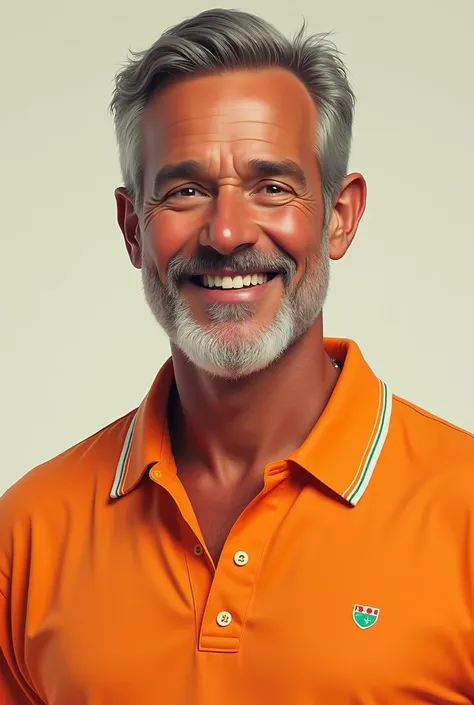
x=226 y=373
x=233 y=349
x=235 y=333
x=231 y=357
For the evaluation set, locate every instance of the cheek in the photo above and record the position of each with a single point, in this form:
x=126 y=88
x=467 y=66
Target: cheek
x=294 y=229
x=166 y=234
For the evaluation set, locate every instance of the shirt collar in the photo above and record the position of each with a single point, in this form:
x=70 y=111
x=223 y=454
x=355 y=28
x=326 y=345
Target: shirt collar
x=341 y=451
x=344 y=446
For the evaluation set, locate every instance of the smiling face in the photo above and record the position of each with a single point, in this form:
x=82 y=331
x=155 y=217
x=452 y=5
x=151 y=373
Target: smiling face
x=234 y=259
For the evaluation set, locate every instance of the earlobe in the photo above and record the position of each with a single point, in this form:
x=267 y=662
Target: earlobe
x=129 y=224
x=338 y=244
x=348 y=210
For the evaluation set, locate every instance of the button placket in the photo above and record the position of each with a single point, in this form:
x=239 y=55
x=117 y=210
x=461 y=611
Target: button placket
x=236 y=572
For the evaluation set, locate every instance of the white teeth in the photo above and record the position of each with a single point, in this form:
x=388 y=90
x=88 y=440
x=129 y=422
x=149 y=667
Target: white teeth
x=237 y=282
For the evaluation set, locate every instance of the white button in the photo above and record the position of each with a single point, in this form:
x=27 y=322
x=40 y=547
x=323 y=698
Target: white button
x=241 y=558
x=198 y=550
x=224 y=619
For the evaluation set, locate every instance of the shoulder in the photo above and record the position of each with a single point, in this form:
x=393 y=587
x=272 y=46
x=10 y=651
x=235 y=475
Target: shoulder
x=433 y=455
x=426 y=430
x=48 y=493
x=69 y=471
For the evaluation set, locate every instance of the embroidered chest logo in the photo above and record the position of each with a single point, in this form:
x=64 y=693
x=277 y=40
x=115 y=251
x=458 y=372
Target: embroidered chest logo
x=365 y=616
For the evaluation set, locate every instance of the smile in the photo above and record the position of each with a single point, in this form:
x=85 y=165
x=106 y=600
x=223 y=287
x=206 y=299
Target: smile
x=239 y=288
x=240 y=281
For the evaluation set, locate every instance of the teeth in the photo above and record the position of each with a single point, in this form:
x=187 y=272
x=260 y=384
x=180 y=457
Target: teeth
x=237 y=282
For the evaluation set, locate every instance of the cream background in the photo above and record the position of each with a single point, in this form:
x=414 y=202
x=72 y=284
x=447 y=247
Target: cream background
x=79 y=347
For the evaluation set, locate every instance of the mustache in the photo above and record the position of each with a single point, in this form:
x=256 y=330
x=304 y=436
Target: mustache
x=247 y=261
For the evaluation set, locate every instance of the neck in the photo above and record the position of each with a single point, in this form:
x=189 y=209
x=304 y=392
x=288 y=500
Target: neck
x=234 y=428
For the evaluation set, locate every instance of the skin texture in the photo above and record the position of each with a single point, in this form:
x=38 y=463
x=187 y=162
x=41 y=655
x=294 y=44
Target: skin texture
x=223 y=122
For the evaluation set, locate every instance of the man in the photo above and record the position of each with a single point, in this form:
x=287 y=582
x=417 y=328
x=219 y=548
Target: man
x=271 y=525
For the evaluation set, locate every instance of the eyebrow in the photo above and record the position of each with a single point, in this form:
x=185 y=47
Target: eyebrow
x=285 y=167
x=188 y=169
x=191 y=169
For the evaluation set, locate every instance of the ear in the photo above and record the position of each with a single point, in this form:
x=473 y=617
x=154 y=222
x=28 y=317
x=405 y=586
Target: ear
x=347 y=211
x=129 y=224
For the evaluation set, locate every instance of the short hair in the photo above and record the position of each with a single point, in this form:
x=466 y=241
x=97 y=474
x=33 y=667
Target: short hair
x=224 y=40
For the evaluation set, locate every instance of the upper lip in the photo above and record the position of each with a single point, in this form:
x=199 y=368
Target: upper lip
x=233 y=273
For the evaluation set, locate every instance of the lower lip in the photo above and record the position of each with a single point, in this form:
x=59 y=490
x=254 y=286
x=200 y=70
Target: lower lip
x=247 y=294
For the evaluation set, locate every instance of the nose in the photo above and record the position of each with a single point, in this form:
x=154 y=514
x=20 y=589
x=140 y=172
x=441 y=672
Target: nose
x=230 y=225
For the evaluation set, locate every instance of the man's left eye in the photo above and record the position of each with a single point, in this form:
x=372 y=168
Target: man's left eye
x=274 y=189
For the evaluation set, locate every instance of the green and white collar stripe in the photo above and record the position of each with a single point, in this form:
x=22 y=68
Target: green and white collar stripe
x=122 y=464
x=359 y=483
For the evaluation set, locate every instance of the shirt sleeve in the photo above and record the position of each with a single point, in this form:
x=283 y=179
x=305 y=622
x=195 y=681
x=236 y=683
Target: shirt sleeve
x=13 y=688
x=16 y=686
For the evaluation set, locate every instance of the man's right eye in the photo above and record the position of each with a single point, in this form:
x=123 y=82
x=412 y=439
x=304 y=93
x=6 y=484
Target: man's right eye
x=186 y=192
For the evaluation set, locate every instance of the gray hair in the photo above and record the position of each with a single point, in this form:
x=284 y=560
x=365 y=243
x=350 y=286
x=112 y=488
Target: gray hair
x=218 y=40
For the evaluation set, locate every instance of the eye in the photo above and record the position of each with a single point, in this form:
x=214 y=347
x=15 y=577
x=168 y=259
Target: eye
x=186 y=192
x=272 y=189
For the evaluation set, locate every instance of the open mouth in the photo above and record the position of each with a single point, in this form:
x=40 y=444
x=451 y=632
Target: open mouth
x=239 y=281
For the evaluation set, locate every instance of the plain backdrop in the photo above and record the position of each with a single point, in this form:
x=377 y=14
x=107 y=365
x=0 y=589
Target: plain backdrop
x=79 y=346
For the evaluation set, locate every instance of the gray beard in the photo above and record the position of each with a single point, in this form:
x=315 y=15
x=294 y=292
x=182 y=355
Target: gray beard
x=230 y=346
x=230 y=313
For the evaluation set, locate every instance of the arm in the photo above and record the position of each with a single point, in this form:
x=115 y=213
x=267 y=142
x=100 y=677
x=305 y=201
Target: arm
x=13 y=688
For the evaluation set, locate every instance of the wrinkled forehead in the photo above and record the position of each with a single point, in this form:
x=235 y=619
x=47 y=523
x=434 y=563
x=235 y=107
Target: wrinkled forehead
x=264 y=110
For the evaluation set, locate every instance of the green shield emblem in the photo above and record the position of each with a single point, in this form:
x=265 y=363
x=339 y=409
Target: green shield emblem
x=365 y=616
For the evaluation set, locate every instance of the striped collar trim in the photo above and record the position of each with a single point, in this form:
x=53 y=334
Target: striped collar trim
x=146 y=441
x=366 y=468
x=121 y=471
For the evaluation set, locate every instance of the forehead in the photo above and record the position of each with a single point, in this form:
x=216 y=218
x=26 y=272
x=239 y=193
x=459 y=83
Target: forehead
x=261 y=113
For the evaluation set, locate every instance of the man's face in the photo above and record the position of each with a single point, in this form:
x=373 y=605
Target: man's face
x=234 y=261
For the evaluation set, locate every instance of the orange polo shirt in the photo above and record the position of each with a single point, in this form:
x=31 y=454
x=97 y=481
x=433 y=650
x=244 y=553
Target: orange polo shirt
x=348 y=581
